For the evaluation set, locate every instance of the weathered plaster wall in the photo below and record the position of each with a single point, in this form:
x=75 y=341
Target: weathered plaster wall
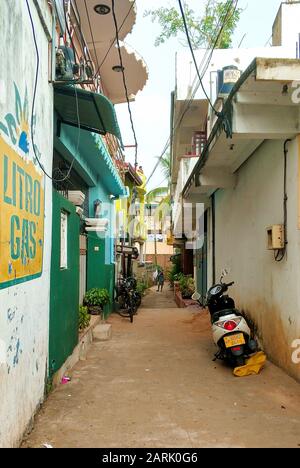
x=24 y=308
x=268 y=291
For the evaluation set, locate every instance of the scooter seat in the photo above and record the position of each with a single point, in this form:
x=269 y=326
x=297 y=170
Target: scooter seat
x=222 y=313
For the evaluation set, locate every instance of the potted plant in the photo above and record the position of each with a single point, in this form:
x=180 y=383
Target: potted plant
x=186 y=286
x=84 y=318
x=177 y=278
x=95 y=300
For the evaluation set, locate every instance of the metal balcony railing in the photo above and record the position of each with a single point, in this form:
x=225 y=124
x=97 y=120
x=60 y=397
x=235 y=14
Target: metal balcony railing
x=199 y=141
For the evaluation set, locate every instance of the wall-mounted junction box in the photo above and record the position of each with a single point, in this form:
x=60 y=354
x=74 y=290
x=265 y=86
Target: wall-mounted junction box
x=275 y=236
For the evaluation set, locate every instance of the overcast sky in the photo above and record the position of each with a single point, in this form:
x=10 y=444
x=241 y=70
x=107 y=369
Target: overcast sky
x=151 y=110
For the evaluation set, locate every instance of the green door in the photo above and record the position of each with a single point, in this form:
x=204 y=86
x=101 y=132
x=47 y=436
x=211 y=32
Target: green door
x=64 y=299
x=99 y=274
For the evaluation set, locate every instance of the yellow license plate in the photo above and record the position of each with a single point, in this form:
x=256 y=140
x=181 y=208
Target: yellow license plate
x=234 y=340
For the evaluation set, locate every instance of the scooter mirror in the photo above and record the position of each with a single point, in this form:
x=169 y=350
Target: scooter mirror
x=196 y=296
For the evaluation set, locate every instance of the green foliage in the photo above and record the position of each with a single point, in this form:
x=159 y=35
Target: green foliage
x=141 y=287
x=48 y=386
x=176 y=259
x=174 y=273
x=156 y=193
x=179 y=276
x=186 y=286
x=153 y=195
x=96 y=297
x=165 y=164
x=203 y=30
x=84 y=318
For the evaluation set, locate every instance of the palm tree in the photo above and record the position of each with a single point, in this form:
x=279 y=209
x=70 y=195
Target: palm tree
x=165 y=165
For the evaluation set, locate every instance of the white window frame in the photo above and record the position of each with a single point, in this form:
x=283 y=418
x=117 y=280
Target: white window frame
x=63 y=240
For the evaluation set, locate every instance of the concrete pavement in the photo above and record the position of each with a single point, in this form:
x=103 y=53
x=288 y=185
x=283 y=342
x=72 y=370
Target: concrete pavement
x=155 y=385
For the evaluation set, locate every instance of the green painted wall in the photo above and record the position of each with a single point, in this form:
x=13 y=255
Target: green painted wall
x=64 y=300
x=99 y=275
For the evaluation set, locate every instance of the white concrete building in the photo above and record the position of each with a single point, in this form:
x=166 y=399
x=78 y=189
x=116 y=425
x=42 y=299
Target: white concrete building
x=246 y=175
x=26 y=213
x=197 y=116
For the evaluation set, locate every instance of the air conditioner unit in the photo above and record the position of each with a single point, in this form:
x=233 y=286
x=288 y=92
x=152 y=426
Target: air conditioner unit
x=67 y=70
x=66 y=67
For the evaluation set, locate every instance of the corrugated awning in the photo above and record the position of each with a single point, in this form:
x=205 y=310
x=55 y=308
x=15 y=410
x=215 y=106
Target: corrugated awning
x=96 y=112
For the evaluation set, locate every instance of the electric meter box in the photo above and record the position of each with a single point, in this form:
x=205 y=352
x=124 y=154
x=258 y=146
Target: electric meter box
x=275 y=237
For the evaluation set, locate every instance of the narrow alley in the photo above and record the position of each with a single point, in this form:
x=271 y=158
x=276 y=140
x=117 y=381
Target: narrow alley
x=155 y=385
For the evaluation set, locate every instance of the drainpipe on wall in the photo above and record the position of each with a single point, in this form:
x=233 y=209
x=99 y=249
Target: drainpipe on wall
x=213 y=222
x=285 y=197
x=280 y=254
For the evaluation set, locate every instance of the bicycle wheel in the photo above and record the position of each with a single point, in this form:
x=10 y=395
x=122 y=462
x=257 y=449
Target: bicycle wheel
x=123 y=313
x=131 y=308
x=126 y=309
x=131 y=315
x=138 y=299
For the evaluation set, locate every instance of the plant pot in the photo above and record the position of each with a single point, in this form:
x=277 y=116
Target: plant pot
x=95 y=310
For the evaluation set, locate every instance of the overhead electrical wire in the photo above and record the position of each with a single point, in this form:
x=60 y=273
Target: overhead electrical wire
x=92 y=34
x=124 y=83
x=179 y=120
x=33 y=106
x=220 y=27
x=193 y=55
x=229 y=12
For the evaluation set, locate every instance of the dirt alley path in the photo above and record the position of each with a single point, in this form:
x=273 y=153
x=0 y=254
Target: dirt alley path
x=155 y=385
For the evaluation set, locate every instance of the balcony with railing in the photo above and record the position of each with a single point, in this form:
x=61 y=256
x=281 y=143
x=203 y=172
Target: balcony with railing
x=186 y=165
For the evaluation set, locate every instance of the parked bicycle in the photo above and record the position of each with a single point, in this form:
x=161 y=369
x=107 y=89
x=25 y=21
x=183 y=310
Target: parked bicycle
x=128 y=299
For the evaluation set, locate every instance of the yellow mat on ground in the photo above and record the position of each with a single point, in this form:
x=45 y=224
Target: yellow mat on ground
x=253 y=365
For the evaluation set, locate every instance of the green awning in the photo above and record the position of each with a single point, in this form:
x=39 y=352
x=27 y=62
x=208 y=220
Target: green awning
x=96 y=112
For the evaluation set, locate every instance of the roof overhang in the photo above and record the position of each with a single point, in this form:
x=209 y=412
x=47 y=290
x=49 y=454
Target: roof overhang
x=132 y=174
x=100 y=36
x=135 y=69
x=102 y=26
x=260 y=107
x=85 y=109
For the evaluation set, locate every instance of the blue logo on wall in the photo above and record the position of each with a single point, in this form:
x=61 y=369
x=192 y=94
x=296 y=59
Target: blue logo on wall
x=17 y=127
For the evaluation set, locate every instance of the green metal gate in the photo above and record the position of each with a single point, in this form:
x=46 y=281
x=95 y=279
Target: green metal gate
x=99 y=274
x=64 y=299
